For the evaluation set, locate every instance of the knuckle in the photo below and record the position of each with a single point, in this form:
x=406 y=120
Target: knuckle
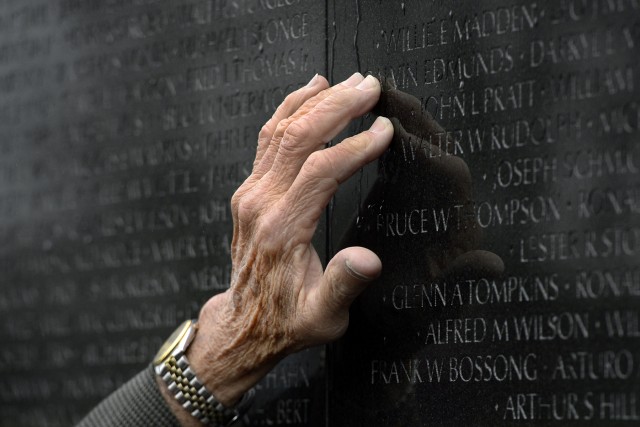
x=291 y=100
x=281 y=128
x=237 y=197
x=314 y=163
x=320 y=169
x=235 y=201
x=336 y=101
x=287 y=145
x=247 y=208
x=357 y=144
x=265 y=131
x=265 y=235
x=296 y=132
x=244 y=211
x=318 y=172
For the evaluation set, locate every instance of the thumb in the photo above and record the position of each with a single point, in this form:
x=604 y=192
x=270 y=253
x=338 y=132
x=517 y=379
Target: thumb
x=347 y=275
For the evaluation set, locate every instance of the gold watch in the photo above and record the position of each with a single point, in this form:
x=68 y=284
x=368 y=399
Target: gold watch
x=171 y=364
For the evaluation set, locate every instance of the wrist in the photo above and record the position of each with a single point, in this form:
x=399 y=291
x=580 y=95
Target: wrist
x=227 y=357
x=200 y=379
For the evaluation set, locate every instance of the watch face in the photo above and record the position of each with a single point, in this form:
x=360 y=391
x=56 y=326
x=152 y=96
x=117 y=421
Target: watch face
x=172 y=342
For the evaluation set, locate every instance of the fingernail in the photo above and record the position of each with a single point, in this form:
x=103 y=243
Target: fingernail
x=313 y=81
x=356 y=274
x=353 y=80
x=380 y=124
x=369 y=83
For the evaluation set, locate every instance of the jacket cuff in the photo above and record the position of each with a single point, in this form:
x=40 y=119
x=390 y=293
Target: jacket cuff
x=137 y=403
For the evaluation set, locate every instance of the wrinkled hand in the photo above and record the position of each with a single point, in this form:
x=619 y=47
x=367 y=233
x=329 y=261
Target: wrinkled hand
x=280 y=300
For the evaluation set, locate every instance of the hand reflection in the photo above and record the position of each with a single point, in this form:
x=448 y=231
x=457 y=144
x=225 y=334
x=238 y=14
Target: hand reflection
x=422 y=200
x=418 y=217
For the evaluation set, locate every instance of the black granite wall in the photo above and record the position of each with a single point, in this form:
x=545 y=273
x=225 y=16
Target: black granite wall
x=506 y=212
x=506 y=215
x=126 y=126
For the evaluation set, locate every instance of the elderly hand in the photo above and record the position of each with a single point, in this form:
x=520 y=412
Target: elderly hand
x=280 y=300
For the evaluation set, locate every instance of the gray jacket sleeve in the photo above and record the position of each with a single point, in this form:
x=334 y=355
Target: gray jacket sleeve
x=136 y=403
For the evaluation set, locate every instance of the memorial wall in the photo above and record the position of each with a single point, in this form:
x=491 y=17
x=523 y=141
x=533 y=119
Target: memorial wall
x=506 y=215
x=126 y=125
x=506 y=212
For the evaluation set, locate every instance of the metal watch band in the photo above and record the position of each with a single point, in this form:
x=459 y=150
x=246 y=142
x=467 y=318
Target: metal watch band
x=194 y=396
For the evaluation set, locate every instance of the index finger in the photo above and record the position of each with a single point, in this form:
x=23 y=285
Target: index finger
x=324 y=170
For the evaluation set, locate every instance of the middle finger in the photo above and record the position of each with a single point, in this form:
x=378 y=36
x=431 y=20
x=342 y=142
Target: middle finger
x=311 y=131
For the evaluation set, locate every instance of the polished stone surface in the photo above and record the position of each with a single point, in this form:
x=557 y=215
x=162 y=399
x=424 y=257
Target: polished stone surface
x=125 y=128
x=505 y=214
